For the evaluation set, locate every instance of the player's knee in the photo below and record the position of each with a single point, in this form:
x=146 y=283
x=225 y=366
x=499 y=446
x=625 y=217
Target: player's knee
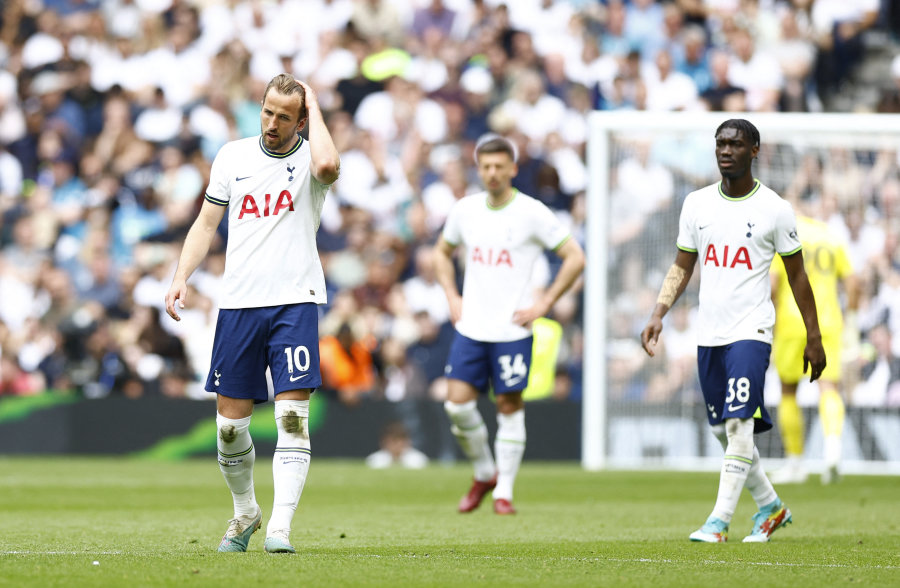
x=740 y=436
x=230 y=430
x=511 y=427
x=720 y=434
x=457 y=409
x=291 y=418
x=463 y=416
x=228 y=433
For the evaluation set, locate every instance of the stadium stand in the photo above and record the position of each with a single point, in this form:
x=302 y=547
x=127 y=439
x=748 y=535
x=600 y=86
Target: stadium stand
x=112 y=110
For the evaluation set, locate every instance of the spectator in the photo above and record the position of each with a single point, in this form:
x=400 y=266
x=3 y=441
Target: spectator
x=347 y=367
x=756 y=71
x=889 y=100
x=880 y=371
x=378 y=19
x=694 y=62
x=838 y=27
x=396 y=449
x=720 y=88
x=668 y=89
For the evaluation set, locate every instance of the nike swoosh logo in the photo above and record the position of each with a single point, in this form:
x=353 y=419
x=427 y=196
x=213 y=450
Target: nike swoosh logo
x=295 y=378
x=237 y=179
x=732 y=408
x=513 y=381
x=701 y=228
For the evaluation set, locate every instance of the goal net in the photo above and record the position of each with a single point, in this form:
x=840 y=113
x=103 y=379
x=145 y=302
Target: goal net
x=640 y=412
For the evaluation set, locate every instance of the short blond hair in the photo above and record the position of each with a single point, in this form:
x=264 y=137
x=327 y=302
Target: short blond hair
x=286 y=84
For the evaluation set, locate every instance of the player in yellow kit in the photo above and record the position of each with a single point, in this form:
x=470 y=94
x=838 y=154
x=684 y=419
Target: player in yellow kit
x=828 y=266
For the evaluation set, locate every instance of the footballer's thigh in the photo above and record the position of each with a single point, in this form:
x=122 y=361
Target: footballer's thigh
x=732 y=378
x=510 y=363
x=293 y=349
x=467 y=369
x=238 y=362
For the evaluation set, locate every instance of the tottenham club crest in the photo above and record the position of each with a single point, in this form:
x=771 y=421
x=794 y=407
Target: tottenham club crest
x=290 y=171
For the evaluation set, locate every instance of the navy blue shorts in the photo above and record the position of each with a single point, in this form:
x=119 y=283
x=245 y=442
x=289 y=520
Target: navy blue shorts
x=503 y=365
x=248 y=340
x=732 y=378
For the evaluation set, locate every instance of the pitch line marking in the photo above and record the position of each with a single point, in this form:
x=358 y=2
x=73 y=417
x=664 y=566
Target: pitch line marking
x=585 y=559
x=641 y=560
x=29 y=552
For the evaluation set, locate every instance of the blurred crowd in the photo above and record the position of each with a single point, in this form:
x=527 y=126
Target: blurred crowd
x=111 y=112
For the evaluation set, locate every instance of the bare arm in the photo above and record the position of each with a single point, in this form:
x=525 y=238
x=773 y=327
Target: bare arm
x=673 y=286
x=445 y=273
x=814 y=354
x=573 y=264
x=326 y=162
x=196 y=245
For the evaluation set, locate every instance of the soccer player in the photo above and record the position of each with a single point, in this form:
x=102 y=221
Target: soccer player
x=735 y=227
x=828 y=266
x=272 y=187
x=503 y=232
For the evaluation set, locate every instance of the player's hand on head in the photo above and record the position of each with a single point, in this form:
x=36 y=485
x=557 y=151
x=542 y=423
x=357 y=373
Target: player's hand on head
x=307 y=89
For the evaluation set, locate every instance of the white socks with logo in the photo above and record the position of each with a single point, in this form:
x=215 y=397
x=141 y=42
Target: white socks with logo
x=739 y=454
x=470 y=431
x=290 y=464
x=236 y=458
x=509 y=446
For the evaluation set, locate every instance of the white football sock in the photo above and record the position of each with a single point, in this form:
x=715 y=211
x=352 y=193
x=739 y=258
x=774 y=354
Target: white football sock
x=236 y=458
x=290 y=464
x=470 y=431
x=735 y=467
x=509 y=446
x=757 y=483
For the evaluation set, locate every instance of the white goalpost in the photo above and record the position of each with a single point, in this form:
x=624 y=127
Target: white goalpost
x=647 y=413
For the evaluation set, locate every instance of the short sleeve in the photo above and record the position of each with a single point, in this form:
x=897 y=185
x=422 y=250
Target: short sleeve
x=686 y=240
x=218 y=190
x=550 y=230
x=452 y=233
x=787 y=241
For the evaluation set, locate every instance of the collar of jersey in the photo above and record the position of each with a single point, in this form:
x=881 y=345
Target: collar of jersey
x=505 y=204
x=756 y=185
x=280 y=155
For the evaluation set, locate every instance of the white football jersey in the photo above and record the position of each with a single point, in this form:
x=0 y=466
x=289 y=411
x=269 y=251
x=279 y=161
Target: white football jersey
x=736 y=240
x=501 y=248
x=274 y=206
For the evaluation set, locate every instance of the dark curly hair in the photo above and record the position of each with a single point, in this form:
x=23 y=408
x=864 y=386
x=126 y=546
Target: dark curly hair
x=742 y=125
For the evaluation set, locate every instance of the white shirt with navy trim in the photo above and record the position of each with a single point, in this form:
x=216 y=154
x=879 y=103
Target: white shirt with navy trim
x=274 y=207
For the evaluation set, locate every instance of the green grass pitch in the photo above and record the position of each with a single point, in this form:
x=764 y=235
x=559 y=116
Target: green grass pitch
x=106 y=522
